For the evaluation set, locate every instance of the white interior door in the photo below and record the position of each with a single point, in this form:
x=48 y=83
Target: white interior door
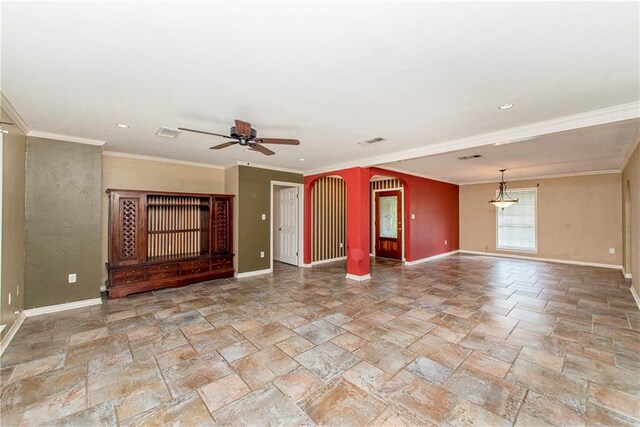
x=288 y=229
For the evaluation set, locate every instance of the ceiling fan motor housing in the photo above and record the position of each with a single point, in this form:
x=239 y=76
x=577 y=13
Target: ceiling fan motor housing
x=234 y=133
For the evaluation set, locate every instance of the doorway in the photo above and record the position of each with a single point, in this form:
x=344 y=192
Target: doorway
x=388 y=224
x=286 y=223
x=628 y=232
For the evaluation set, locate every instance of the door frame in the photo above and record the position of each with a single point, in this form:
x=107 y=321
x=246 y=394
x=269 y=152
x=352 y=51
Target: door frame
x=373 y=219
x=300 y=220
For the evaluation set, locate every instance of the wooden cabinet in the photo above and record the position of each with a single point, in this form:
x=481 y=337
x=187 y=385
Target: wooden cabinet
x=159 y=239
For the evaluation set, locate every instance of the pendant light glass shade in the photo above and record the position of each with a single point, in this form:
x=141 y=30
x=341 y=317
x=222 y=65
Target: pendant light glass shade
x=503 y=200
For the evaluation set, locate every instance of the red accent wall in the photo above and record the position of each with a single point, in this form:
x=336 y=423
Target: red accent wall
x=435 y=205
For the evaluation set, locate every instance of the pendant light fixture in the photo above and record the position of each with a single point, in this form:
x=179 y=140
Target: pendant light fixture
x=503 y=200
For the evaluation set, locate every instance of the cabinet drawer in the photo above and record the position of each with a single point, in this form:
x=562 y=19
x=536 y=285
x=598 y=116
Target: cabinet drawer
x=221 y=264
x=127 y=279
x=129 y=272
x=199 y=263
x=165 y=268
x=195 y=270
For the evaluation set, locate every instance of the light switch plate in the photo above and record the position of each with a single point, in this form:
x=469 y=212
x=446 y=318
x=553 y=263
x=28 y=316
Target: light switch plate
x=612 y=250
x=264 y=216
x=72 y=278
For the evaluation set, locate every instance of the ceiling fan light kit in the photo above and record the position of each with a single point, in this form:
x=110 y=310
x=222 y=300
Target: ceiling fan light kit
x=503 y=200
x=244 y=135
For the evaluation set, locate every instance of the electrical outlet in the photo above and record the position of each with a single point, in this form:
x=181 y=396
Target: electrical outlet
x=72 y=278
x=341 y=245
x=261 y=254
x=413 y=216
x=264 y=217
x=9 y=298
x=18 y=290
x=612 y=250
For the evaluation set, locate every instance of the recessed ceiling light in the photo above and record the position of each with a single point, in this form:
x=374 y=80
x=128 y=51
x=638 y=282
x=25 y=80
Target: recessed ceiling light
x=302 y=160
x=123 y=126
x=505 y=106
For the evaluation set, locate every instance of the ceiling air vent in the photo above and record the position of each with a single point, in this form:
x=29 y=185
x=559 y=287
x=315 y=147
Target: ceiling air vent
x=168 y=132
x=371 y=140
x=473 y=156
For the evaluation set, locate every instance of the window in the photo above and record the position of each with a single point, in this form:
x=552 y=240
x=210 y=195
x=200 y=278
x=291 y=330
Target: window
x=516 y=225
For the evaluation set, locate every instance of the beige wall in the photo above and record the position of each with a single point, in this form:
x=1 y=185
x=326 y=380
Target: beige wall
x=138 y=174
x=13 y=231
x=579 y=218
x=631 y=223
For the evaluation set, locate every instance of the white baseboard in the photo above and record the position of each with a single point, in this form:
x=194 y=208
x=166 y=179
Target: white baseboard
x=326 y=261
x=531 y=258
x=421 y=260
x=358 y=278
x=625 y=274
x=12 y=331
x=253 y=273
x=62 y=307
x=635 y=296
x=306 y=265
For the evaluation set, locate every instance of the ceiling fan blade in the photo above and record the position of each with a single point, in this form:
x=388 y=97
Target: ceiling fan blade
x=205 y=133
x=243 y=128
x=278 y=141
x=263 y=150
x=223 y=145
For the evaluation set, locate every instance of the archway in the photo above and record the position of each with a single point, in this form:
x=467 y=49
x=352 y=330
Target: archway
x=328 y=220
x=388 y=236
x=357 y=224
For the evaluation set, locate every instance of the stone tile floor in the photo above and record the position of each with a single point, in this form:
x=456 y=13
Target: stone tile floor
x=458 y=341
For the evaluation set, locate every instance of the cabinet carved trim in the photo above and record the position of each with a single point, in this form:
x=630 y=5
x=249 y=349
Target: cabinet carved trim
x=161 y=239
x=129 y=209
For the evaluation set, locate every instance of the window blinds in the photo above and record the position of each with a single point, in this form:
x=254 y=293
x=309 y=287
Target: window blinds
x=516 y=225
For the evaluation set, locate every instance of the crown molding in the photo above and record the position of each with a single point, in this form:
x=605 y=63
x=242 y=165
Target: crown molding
x=66 y=138
x=417 y=175
x=514 y=135
x=13 y=113
x=275 y=168
x=559 y=175
x=159 y=159
x=632 y=147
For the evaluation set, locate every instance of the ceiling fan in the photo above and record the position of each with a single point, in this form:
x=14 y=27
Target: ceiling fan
x=246 y=136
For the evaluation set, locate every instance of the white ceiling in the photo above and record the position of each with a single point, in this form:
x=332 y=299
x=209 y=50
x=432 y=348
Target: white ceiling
x=595 y=148
x=329 y=74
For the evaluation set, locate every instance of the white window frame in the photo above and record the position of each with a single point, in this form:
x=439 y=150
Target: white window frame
x=535 y=225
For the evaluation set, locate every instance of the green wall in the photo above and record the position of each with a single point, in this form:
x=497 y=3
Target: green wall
x=254 y=192
x=63 y=189
x=13 y=160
